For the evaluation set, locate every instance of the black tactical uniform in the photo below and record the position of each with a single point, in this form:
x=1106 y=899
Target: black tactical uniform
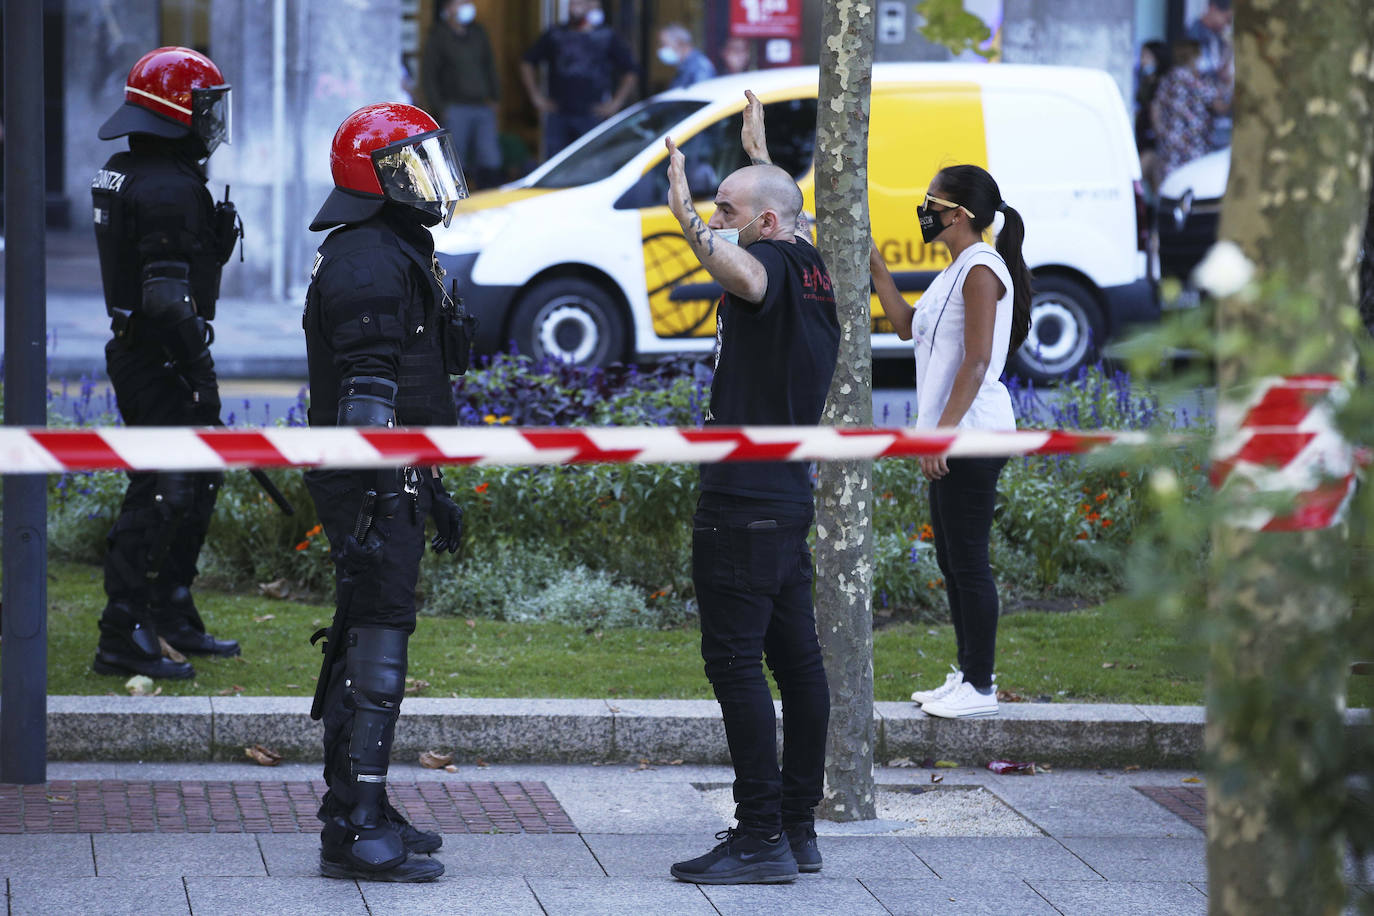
x=161 y=241
x=373 y=337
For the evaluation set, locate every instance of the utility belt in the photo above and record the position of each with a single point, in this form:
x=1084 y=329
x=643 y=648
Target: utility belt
x=128 y=327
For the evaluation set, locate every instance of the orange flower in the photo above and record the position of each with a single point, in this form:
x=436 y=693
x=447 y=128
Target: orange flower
x=1106 y=523
x=1085 y=508
x=1093 y=516
x=927 y=533
x=481 y=487
x=303 y=545
x=1082 y=536
x=887 y=495
x=314 y=531
x=1102 y=497
x=1124 y=474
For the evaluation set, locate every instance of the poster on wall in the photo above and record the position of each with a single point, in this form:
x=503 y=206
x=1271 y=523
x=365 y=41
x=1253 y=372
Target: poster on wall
x=765 y=18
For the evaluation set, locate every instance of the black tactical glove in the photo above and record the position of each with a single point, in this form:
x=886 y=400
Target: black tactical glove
x=448 y=519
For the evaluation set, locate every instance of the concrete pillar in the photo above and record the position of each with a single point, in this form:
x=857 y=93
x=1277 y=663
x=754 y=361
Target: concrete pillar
x=1076 y=33
x=101 y=41
x=331 y=58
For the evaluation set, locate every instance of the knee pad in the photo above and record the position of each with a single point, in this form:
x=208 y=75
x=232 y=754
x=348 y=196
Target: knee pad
x=374 y=675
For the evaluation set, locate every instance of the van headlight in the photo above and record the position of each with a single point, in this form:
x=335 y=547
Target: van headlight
x=471 y=231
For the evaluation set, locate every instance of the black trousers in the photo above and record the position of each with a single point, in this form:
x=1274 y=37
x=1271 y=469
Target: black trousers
x=384 y=600
x=162 y=522
x=961 y=507
x=752 y=569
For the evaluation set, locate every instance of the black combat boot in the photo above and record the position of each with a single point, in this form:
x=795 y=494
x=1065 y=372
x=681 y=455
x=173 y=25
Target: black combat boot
x=365 y=844
x=129 y=645
x=178 y=621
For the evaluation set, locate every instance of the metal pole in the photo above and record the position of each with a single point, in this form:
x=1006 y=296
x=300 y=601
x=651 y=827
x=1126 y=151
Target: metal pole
x=24 y=685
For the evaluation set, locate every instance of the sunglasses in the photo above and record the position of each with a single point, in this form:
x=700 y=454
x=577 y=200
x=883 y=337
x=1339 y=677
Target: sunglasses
x=948 y=204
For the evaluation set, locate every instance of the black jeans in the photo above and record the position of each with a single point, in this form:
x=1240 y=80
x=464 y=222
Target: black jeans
x=752 y=569
x=961 y=505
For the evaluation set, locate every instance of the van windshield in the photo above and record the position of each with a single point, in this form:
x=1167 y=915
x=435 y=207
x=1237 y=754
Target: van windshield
x=604 y=156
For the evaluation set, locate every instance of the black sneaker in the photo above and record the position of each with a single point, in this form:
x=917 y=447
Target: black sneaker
x=414 y=870
x=741 y=859
x=802 y=839
x=415 y=839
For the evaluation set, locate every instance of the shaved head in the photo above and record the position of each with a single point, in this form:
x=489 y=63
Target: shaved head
x=768 y=187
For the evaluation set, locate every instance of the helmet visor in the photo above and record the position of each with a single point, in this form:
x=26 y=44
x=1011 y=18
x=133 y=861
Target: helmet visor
x=423 y=172
x=212 y=116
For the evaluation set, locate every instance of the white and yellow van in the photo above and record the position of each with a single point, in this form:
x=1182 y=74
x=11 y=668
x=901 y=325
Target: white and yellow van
x=582 y=261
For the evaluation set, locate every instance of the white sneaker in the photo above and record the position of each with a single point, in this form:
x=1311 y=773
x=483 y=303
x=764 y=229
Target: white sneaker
x=964 y=702
x=952 y=680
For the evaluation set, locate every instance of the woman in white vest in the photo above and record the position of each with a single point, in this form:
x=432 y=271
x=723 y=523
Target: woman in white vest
x=965 y=325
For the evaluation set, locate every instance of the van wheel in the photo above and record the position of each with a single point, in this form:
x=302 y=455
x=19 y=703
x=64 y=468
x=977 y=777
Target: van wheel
x=571 y=320
x=1066 y=331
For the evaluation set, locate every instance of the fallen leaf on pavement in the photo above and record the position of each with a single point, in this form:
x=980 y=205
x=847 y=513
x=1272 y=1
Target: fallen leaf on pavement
x=482 y=763
x=1191 y=779
x=169 y=652
x=1004 y=767
x=435 y=760
x=936 y=777
x=928 y=763
x=472 y=623
x=139 y=686
x=264 y=618
x=901 y=762
x=1007 y=696
x=451 y=768
x=262 y=756
x=228 y=690
x=415 y=685
x=1132 y=767
x=946 y=764
x=277 y=588
x=1109 y=664
x=675 y=763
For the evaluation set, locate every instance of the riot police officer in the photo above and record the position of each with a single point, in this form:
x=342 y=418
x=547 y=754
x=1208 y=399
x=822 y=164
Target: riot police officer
x=162 y=241
x=382 y=338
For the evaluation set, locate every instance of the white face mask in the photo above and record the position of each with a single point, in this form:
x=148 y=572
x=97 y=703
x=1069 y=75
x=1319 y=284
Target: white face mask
x=595 y=17
x=669 y=56
x=732 y=235
x=466 y=13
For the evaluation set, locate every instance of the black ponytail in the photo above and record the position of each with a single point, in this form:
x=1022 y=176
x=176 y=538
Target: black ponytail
x=972 y=187
x=1009 y=242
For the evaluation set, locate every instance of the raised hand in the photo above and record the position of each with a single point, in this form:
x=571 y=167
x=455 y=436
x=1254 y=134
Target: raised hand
x=679 y=195
x=752 y=133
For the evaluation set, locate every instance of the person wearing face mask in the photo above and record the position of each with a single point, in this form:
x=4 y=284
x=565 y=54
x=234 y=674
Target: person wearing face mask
x=677 y=50
x=460 y=84
x=591 y=74
x=777 y=338
x=971 y=318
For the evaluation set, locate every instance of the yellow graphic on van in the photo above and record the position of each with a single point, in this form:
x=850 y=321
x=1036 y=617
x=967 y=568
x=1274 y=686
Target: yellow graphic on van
x=682 y=295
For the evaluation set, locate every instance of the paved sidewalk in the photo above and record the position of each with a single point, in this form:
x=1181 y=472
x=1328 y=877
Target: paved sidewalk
x=1099 y=846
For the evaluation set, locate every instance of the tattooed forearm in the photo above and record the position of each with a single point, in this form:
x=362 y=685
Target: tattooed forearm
x=702 y=234
x=760 y=160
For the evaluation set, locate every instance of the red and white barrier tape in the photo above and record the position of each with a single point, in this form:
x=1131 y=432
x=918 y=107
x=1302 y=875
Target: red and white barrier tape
x=27 y=450
x=1285 y=440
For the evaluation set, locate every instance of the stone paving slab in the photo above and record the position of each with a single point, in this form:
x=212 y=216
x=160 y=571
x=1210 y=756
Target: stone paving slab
x=46 y=856
x=934 y=897
x=453 y=897
x=615 y=896
x=549 y=855
x=808 y=894
x=1094 y=898
x=153 y=856
x=104 y=896
x=290 y=855
x=1124 y=859
x=1065 y=810
x=869 y=857
x=275 y=896
x=1010 y=858
x=1188 y=802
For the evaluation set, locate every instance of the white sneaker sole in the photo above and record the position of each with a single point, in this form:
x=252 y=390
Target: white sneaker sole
x=982 y=712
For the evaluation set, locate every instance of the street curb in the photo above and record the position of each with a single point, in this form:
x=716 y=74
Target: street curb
x=193 y=729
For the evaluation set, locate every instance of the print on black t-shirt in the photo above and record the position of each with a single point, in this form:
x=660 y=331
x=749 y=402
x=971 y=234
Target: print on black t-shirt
x=773 y=362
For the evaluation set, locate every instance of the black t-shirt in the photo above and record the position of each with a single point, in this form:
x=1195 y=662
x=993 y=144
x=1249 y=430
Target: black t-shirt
x=584 y=66
x=774 y=361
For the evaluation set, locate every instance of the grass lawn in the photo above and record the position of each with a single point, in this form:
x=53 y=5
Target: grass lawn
x=1054 y=656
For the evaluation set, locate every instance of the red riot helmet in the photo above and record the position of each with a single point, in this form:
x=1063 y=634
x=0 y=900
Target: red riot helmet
x=174 y=92
x=394 y=152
